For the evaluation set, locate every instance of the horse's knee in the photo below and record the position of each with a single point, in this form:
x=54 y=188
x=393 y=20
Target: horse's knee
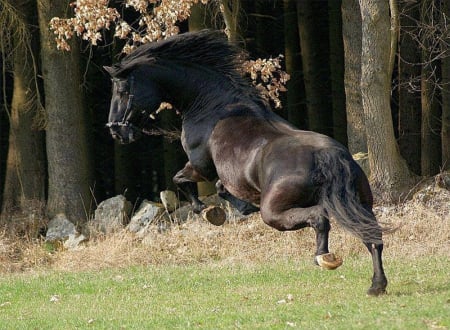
x=320 y=224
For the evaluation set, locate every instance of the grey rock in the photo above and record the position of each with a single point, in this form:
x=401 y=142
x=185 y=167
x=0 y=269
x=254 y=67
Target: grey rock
x=73 y=241
x=60 y=228
x=148 y=212
x=184 y=214
x=112 y=214
x=169 y=200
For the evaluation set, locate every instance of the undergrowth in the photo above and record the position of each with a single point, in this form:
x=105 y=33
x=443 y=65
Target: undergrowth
x=423 y=221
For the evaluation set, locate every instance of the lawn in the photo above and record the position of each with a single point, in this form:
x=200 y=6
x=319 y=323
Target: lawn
x=280 y=294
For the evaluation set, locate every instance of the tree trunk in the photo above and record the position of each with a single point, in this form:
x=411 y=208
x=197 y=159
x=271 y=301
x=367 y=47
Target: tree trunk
x=351 y=32
x=389 y=173
x=445 y=94
x=431 y=144
x=296 y=110
x=315 y=51
x=127 y=170
x=24 y=185
x=68 y=158
x=269 y=28
x=200 y=18
x=337 y=71
x=230 y=11
x=409 y=95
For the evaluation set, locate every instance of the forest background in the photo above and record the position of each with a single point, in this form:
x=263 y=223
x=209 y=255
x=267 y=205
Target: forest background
x=374 y=75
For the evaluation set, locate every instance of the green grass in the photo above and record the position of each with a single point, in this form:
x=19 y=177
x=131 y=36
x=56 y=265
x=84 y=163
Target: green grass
x=276 y=295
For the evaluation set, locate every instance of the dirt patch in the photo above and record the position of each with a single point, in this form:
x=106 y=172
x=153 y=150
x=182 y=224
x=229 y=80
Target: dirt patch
x=423 y=229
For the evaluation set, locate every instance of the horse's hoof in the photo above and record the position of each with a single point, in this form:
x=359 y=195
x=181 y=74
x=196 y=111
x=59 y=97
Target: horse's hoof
x=375 y=292
x=214 y=215
x=329 y=261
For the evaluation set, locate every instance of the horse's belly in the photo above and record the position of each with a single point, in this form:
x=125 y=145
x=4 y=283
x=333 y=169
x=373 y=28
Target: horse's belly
x=243 y=191
x=240 y=178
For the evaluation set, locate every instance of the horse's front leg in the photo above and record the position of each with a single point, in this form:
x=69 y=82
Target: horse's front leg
x=186 y=180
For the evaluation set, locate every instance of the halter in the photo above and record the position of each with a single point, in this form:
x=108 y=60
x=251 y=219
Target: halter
x=124 y=122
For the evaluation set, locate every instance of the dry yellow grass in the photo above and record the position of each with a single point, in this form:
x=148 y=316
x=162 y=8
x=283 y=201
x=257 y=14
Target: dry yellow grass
x=424 y=230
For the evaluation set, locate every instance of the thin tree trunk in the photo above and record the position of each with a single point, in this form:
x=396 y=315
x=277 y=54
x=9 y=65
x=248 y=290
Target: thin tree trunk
x=409 y=121
x=445 y=134
x=199 y=18
x=69 y=167
x=269 y=18
x=389 y=173
x=314 y=47
x=126 y=170
x=24 y=185
x=395 y=27
x=337 y=71
x=351 y=32
x=296 y=110
x=230 y=12
x=431 y=144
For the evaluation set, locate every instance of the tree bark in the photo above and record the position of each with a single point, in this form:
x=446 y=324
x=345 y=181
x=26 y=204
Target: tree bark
x=25 y=179
x=431 y=135
x=409 y=96
x=200 y=18
x=337 y=71
x=314 y=47
x=296 y=110
x=445 y=134
x=351 y=32
x=69 y=168
x=230 y=12
x=389 y=172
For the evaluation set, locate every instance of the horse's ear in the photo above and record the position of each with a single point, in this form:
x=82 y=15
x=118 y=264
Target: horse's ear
x=109 y=69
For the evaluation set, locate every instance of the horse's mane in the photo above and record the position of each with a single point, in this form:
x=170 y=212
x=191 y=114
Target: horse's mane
x=207 y=48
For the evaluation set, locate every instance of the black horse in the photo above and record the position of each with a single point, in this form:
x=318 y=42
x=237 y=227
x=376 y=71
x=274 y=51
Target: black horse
x=296 y=178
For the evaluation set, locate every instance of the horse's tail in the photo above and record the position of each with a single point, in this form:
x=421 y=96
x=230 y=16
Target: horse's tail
x=345 y=194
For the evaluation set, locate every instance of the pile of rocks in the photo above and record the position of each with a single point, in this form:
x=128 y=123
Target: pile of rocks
x=117 y=213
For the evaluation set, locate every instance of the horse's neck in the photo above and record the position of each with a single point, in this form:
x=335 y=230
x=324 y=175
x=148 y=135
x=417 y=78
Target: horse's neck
x=204 y=97
x=198 y=93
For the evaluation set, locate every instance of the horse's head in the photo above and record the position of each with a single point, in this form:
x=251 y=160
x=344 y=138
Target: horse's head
x=133 y=101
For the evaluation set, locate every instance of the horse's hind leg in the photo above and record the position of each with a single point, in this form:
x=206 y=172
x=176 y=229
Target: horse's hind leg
x=242 y=206
x=293 y=218
x=379 y=280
